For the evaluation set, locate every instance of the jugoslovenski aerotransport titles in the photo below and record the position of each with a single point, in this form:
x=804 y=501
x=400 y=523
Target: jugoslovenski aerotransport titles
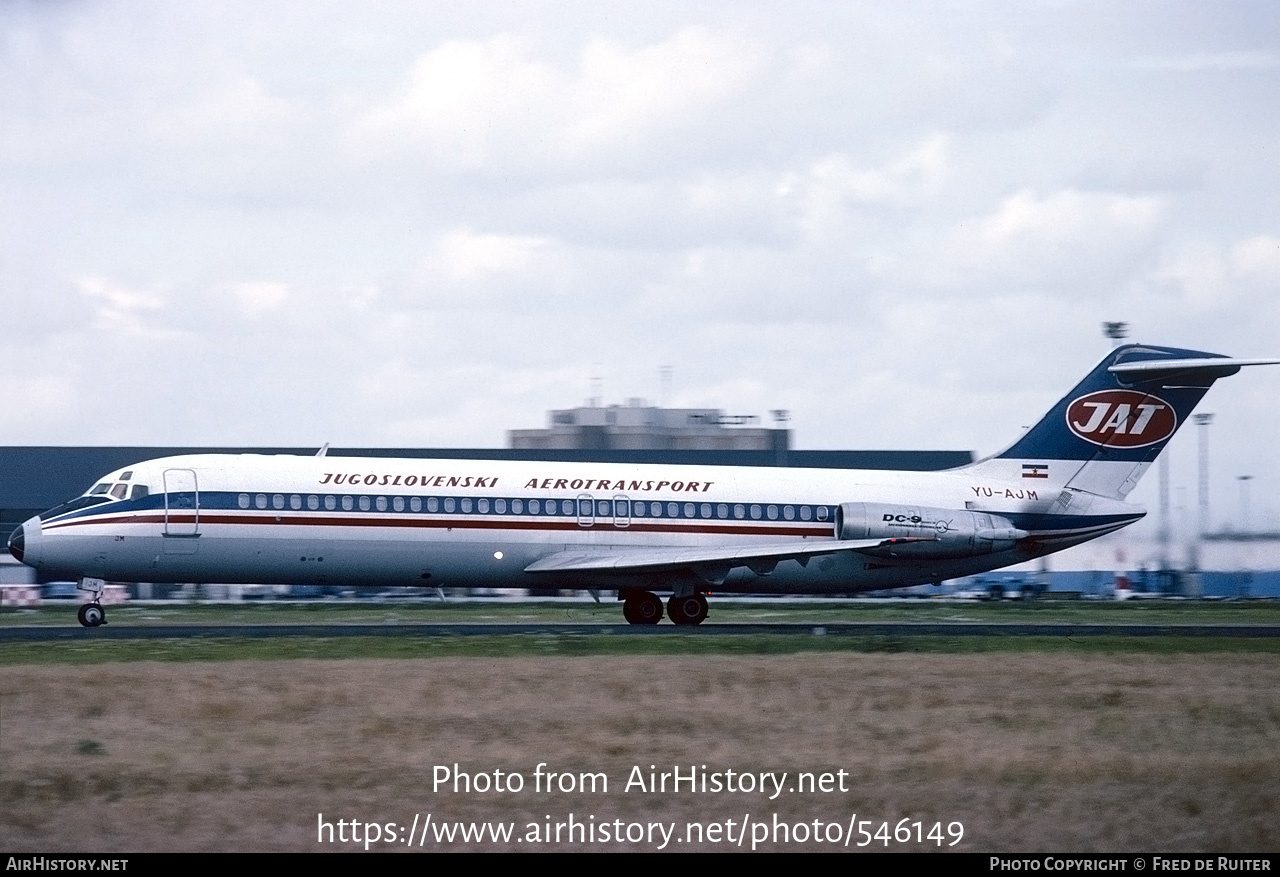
x=642 y=530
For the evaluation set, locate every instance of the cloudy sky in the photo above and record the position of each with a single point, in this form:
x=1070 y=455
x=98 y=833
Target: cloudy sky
x=414 y=224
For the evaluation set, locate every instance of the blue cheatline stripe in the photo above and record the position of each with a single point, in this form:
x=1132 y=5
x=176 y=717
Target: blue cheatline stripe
x=600 y=511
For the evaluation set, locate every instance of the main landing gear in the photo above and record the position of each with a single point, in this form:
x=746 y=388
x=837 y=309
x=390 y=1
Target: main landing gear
x=92 y=614
x=643 y=607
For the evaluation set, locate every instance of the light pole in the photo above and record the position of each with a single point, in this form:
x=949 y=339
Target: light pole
x=1164 y=576
x=1203 y=421
x=1202 y=525
x=1244 y=502
x=1244 y=554
x=780 y=437
x=1117 y=332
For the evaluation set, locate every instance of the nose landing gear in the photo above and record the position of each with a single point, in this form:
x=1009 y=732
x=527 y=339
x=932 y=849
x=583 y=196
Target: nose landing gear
x=92 y=614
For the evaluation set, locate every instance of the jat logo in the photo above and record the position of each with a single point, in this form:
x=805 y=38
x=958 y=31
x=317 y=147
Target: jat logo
x=1122 y=418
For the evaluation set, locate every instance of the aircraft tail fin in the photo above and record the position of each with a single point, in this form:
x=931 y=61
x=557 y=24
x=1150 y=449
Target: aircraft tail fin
x=1101 y=437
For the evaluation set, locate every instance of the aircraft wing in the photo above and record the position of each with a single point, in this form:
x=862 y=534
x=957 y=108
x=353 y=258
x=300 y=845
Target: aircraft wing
x=760 y=558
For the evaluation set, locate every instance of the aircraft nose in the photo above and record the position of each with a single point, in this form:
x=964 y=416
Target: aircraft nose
x=17 y=542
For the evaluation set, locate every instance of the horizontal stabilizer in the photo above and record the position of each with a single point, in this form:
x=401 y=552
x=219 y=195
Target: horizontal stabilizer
x=1173 y=372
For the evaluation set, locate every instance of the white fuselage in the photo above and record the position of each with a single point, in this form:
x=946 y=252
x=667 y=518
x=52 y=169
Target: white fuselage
x=480 y=523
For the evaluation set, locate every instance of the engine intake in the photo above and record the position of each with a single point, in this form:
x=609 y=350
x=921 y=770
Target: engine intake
x=927 y=532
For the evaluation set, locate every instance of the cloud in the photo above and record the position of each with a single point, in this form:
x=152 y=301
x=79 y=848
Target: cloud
x=1068 y=235
x=1220 y=61
x=624 y=93
x=123 y=309
x=239 y=109
x=465 y=257
x=471 y=104
x=256 y=298
x=1206 y=276
x=834 y=186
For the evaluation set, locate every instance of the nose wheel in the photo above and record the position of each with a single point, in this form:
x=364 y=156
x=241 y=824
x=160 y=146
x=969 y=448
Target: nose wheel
x=92 y=615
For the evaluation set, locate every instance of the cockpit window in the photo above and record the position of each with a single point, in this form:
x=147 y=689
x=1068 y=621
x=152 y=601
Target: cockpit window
x=100 y=489
x=77 y=503
x=119 y=491
x=139 y=491
x=125 y=476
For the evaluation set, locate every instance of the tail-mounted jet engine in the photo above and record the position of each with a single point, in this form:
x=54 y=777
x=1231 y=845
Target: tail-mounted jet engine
x=925 y=532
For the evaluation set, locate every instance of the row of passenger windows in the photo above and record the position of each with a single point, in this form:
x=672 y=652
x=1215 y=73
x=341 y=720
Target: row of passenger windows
x=584 y=507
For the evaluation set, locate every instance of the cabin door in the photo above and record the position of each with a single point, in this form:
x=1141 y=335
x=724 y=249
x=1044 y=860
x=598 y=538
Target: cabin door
x=181 y=503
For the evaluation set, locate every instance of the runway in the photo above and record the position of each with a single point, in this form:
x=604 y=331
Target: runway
x=49 y=633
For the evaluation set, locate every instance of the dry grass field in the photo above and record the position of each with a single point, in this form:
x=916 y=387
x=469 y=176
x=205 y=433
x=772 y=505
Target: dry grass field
x=1030 y=751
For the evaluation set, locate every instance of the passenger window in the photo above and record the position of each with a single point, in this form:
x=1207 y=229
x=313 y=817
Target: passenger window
x=755 y=512
x=277 y=501
x=348 y=503
x=673 y=510
x=482 y=506
x=566 y=507
x=517 y=506
x=449 y=504
x=772 y=512
x=243 y=501
x=313 y=502
x=398 y=503
x=364 y=504
x=690 y=511
x=705 y=510
x=637 y=509
x=433 y=504
x=466 y=504
x=534 y=507
x=602 y=508
x=500 y=506
x=330 y=503
x=722 y=511
x=739 y=511
x=789 y=512
x=415 y=504
x=822 y=513
x=260 y=501
x=805 y=513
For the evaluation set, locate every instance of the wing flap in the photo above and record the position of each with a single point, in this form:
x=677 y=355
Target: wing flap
x=758 y=557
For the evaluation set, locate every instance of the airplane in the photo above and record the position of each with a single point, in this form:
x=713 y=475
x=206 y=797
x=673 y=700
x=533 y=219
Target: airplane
x=639 y=529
